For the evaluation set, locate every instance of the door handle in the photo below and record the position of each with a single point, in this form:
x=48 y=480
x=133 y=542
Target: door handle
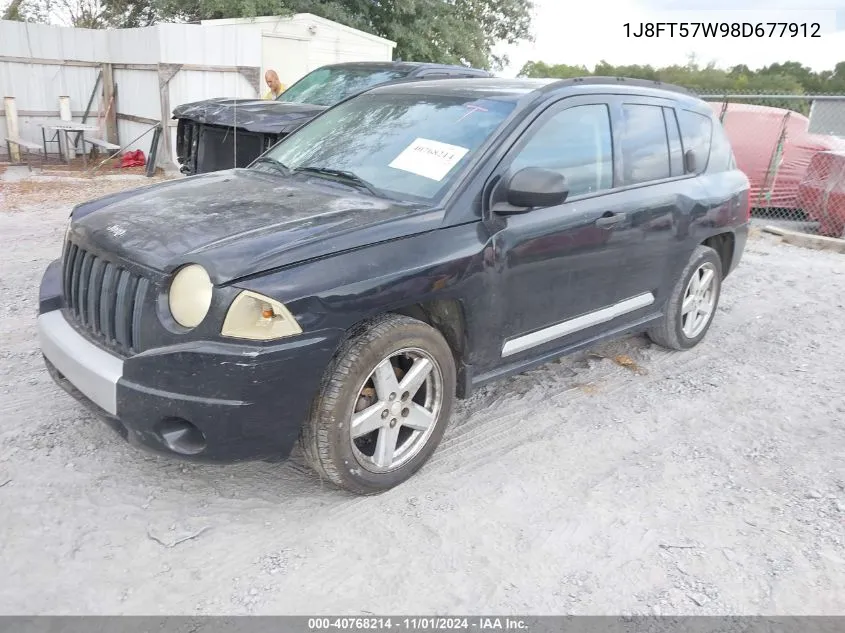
x=609 y=219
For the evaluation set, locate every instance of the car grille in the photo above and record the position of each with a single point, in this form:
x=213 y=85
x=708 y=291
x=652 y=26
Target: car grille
x=103 y=298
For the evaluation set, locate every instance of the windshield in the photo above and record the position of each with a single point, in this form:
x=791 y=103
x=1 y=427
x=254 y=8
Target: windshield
x=404 y=145
x=327 y=86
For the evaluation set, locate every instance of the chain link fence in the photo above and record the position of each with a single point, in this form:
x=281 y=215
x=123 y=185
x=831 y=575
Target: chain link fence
x=792 y=147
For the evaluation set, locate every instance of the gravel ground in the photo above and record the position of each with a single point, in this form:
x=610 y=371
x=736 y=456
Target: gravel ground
x=624 y=480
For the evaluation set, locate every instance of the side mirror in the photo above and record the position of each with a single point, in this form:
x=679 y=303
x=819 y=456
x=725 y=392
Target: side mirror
x=533 y=187
x=690 y=162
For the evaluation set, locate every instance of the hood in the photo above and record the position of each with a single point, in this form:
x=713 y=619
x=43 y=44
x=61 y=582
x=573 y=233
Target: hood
x=242 y=222
x=253 y=115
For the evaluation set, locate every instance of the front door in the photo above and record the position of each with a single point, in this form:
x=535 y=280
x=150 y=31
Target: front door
x=572 y=271
x=559 y=263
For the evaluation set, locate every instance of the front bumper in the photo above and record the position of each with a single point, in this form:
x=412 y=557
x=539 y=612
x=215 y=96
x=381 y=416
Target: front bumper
x=240 y=401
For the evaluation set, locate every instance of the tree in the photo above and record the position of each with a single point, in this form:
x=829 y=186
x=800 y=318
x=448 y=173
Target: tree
x=13 y=11
x=787 y=78
x=83 y=14
x=27 y=11
x=446 y=31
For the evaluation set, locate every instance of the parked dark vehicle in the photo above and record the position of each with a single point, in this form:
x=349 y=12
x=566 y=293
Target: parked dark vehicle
x=405 y=247
x=206 y=138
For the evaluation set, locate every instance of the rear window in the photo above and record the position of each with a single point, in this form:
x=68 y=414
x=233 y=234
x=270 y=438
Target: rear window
x=696 y=130
x=327 y=86
x=721 y=154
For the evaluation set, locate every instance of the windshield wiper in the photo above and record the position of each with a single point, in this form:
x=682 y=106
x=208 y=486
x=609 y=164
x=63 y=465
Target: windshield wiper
x=266 y=160
x=344 y=175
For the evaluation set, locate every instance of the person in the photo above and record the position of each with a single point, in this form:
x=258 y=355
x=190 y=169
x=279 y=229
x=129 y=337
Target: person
x=276 y=86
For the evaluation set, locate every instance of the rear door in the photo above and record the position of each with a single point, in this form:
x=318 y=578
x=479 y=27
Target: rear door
x=658 y=194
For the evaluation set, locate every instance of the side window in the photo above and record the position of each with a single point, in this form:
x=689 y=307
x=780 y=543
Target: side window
x=721 y=154
x=676 y=152
x=696 y=130
x=575 y=142
x=644 y=144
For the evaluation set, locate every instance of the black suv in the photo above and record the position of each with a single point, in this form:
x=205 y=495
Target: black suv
x=406 y=246
x=223 y=133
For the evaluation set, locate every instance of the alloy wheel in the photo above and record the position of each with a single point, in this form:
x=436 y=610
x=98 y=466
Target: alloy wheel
x=396 y=410
x=699 y=300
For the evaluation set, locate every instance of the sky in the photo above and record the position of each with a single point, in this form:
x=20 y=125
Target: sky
x=587 y=31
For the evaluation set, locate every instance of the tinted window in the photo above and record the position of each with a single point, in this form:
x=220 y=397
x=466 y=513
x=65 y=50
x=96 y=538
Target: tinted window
x=327 y=86
x=721 y=154
x=575 y=142
x=676 y=153
x=410 y=145
x=644 y=145
x=695 y=134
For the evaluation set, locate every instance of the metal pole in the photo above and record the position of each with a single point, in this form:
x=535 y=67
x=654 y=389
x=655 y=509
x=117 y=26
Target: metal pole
x=88 y=108
x=151 y=159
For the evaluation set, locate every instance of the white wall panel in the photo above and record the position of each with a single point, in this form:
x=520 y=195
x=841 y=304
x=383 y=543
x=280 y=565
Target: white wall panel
x=194 y=44
x=37 y=87
x=195 y=85
x=129 y=130
x=21 y=39
x=138 y=93
x=132 y=46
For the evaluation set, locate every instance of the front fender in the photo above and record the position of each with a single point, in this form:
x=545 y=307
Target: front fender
x=340 y=291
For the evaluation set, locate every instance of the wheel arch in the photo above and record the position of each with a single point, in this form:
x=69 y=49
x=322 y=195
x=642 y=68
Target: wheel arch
x=447 y=316
x=724 y=244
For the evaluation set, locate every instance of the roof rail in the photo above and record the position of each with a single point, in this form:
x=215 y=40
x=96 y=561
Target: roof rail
x=625 y=81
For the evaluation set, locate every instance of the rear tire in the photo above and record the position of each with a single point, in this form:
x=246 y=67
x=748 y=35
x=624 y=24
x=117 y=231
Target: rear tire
x=693 y=302
x=383 y=406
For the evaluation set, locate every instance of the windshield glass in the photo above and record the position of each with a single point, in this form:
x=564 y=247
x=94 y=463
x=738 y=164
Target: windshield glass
x=327 y=86
x=404 y=145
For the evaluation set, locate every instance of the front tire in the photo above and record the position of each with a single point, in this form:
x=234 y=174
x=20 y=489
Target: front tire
x=693 y=302
x=383 y=406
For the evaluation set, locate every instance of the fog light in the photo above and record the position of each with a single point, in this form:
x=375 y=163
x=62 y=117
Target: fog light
x=182 y=437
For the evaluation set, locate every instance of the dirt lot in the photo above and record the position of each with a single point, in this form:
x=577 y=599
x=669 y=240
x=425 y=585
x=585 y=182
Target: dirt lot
x=629 y=479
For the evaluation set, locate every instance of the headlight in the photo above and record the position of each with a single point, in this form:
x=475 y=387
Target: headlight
x=259 y=318
x=190 y=295
x=68 y=227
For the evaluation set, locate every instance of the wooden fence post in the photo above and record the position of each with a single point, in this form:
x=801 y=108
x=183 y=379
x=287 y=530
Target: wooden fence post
x=12 y=128
x=166 y=72
x=109 y=104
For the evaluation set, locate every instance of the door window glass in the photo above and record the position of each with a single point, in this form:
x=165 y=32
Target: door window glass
x=721 y=154
x=575 y=142
x=696 y=130
x=644 y=145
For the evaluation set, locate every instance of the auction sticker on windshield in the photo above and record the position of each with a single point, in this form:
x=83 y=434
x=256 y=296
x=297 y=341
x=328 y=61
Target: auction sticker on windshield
x=429 y=159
